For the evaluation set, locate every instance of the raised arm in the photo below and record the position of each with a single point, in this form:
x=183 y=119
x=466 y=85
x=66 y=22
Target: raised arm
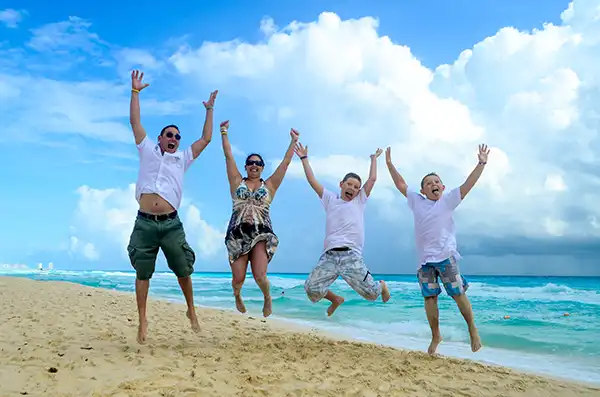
x=302 y=152
x=207 y=131
x=134 y=106
x=368 y=186
x=275 y=180
x=396 y=177
x=233 y=174
x=473 y=177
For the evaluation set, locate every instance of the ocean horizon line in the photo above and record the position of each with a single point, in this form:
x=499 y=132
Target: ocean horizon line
x=307 y=273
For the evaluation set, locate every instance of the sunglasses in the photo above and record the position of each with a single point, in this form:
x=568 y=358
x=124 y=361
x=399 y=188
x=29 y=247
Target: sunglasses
x=170 y=135
x=257 y=163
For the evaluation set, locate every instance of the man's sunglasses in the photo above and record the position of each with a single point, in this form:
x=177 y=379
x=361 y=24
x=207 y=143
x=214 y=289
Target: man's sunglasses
x=257 y=163
x=170 y=135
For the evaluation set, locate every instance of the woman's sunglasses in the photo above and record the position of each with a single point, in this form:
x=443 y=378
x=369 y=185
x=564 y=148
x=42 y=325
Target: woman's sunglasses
x=257 y=163
x=170 y=135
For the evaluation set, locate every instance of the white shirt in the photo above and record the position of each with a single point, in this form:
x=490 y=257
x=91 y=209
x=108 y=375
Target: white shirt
x=344 y=223
x=435 y=232
x=162 y=173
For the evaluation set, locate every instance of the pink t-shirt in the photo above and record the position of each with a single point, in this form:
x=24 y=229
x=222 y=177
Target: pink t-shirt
x=344 y=224
x=435 y=232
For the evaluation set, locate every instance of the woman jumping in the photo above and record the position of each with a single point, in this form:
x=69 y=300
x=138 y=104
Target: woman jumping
x=250 y=236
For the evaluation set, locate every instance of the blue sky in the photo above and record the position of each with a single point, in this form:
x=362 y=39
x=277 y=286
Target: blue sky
x=428 y=78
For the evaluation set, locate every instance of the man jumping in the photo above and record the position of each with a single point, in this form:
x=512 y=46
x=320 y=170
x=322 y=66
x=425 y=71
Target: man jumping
x=158 y=192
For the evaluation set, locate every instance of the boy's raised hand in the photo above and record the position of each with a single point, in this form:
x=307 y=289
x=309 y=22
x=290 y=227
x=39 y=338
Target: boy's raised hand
x=483 y=153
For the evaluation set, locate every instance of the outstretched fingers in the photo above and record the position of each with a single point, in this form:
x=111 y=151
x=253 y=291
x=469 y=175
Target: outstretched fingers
x=300 y=150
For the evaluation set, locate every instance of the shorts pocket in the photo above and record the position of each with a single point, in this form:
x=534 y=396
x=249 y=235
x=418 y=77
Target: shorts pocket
x=131 y=253
x=190 y=255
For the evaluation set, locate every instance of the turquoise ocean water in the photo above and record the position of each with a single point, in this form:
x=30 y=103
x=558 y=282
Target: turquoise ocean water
x=537 y=337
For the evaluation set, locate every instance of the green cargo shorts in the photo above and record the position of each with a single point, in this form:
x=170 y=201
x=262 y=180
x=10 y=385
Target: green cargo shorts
x=149 y=235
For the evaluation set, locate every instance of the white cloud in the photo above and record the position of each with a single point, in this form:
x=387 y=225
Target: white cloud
x=72 y=34
x=35 y=105
x=88 y=250
x=95 y=109
x=11 y=18
x=555 y=183
x=107 y=216
x=531 y=96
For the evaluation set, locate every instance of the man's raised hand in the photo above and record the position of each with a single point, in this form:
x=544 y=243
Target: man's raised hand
x=301 y=150
x=295 y=135
x=376 y=154
x=211 y=100
x=136 y=81
x=483 y=153
x=224 y=125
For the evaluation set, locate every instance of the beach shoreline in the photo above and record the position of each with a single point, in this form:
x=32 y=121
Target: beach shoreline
x=87 y=335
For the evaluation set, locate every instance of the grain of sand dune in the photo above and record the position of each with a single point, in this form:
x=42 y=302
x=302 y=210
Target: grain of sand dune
x=63 y=339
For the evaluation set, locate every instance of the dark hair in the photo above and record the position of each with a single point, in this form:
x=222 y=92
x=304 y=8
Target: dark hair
x=430 y=174
x=169 y=126
x=352 y=175
x=252 y=155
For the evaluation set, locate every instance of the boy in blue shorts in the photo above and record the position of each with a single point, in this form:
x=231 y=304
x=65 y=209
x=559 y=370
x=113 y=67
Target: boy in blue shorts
x=435 y=237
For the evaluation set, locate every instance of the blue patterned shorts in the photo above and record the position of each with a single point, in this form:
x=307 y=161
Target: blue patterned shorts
x=454 y=283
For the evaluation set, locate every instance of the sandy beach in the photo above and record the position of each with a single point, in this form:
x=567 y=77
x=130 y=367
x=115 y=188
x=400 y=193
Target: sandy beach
x=64 y=339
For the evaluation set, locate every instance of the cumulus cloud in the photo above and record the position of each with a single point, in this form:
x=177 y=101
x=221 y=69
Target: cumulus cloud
x=88 y=250
x=11 y=18
x=530 y=95
x=108 y=215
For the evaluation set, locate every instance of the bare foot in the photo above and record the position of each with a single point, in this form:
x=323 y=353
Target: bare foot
x=239 y=304
x=337 y=301
x=433 y=345
x=268 y=306
x=191 y=314
x=142 y=331
x=385 y=291
x=475 y=340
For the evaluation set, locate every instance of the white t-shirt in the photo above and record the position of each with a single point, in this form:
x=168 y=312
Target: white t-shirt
x=435 y=232
x=162 y=173
x=344 y=224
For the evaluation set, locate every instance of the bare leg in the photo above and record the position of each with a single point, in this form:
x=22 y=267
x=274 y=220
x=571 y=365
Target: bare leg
x=335 y=300
x=385 y=291
x=141 y=294
x=188 y=292
x=259 y=262
x=433 y=315
x=467 y=312
x=238 y=276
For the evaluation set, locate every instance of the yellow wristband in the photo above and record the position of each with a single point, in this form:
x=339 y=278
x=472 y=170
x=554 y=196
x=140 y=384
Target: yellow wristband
x=134 y=90
x=223 y=132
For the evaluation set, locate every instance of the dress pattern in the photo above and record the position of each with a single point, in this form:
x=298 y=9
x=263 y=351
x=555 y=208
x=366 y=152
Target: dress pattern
x=250 y=222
